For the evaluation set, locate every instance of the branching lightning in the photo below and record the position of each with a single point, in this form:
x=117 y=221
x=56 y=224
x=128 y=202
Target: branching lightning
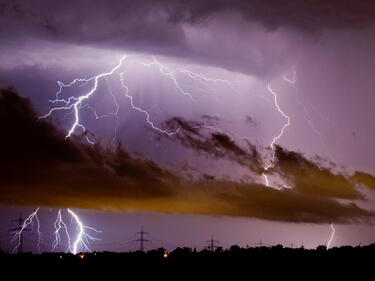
x=76 y=103
x=291 y=80
x=60 y=225
x=29 y=221
x=126 y=92
x=61 y=228
x=83 y=237
x=277 y=137
x=197 y=77
x=73 y=105
x=171 y=75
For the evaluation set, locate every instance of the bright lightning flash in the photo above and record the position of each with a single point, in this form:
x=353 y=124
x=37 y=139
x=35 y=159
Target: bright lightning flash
x=60 y=225
x=76 y=103
x=81 y=242
x=29 y=221
x=83 y=237
x=73 y=104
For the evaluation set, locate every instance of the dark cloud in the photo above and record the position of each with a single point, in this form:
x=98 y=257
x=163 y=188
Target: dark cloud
x=159 y=27
x=364 y=179
x=37 y=157
x=285 y=205
x=40 y=167
x=158 y=21
x=301 y=15
x=308 y=177
x=194 y=135
x=111 y=23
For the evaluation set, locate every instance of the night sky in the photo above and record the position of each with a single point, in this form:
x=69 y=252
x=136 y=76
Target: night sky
x=247 y=120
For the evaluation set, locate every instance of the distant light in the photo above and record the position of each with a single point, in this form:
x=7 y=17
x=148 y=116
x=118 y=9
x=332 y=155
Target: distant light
x=165 y=255
x=60 y=257
x=81 y=256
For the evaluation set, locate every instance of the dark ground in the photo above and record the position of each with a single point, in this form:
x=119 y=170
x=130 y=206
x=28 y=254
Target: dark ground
x=236 y=263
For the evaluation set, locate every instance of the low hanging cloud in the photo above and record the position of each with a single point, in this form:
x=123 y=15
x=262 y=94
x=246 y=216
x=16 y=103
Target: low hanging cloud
x=310 y=178
x=364 y=179
x=40 y=167
x=216 y=144
x=306 y=176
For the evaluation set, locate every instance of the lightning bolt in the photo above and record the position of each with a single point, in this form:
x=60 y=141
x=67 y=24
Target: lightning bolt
x=277 y=137
x=82 y=237
x=60 y=225
x=126 y=92
x=29 y=221
x=291 y=80
x=73 y=104
x=171 y=75
x=331 y=237
x=76 y=103
x=82 y=240
x=198 y=78
x=306 y=115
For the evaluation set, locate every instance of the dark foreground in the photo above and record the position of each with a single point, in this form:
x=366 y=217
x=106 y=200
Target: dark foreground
x=267 y=262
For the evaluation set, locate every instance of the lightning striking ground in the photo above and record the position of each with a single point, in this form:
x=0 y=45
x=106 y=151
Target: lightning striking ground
x=331 y=237
x=29 y=221
x=74 y=104
x=81 y=242
x=83 y=237
x=60 y=226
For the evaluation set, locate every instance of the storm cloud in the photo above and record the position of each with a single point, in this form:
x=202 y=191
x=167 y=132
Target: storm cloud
x=40 y=167
x=262 y=33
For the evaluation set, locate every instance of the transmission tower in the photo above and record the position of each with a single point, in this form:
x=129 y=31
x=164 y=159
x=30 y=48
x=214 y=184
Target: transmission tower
x=211 y=246
x=261 y=243
x=18 y=228
x=142 y=239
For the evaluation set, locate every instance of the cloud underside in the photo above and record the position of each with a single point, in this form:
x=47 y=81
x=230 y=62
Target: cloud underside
x=39 y=167
x=158 y=20
x=183 y=29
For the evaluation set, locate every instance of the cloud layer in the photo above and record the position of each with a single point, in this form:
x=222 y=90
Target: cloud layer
x=248 y=36
x=39 y=167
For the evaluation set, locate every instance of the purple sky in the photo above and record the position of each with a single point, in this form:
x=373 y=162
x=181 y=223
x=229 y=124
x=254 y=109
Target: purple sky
x=216 y=62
